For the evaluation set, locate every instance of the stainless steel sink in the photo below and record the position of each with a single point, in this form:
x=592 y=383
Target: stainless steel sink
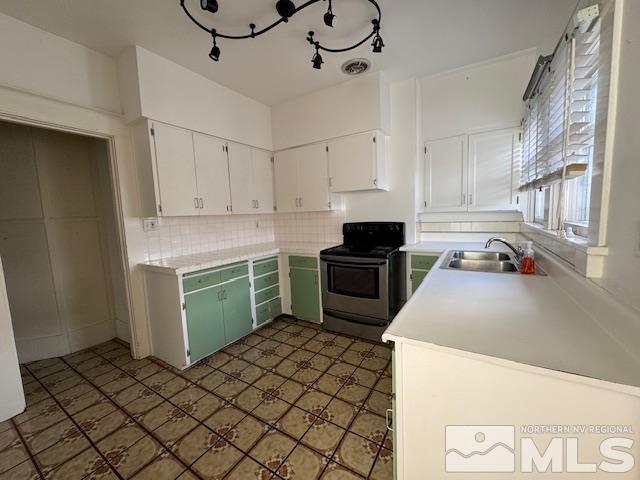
x=478 y=261
x=483 y=266
x=492 y=256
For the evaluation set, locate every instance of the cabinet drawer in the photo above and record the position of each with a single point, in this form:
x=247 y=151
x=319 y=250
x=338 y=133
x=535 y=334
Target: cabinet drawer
x=267 y=266
x=262 y=314
x=275 y=306
x=266 y=281
x=268 y=294
x=303 y=262
x=422 y=262
x=201 y=281
x=234 y=272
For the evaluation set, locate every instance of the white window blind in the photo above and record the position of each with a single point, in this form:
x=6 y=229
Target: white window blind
x=559 y=125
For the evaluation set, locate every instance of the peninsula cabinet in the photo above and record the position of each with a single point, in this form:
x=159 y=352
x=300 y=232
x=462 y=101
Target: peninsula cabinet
x=185 y=173
x=302 y=180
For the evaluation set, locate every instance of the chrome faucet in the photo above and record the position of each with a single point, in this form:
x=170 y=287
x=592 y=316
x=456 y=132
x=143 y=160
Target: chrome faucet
x=518 y=251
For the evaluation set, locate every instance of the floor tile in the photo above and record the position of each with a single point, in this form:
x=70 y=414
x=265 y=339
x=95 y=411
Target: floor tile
x=378 y=403
x=384 y=385
x=245 y=434
x=218 y=359
x=250 y=398
x=164 y=466
x=158 y=415
x=272 y=450
x=234 y=367
x=193 y=445
x=364 y=377
x=356 y=453
x=204 y=407
x=370 y=426
x=23 y=471
x=313 y=401
x=296 y=422
x=12 y=456
x=79 y=466
x=97 y=429
x=286 y=368
x=249 y=469
x=335 y=471
x=175 y=428
x=197 y=372
x=46 y=407
x=9 y=438
x=230 y=389
x=217 y=461
x=289 y=391
x=213 y=380
x=50 y=436
x=353 y=393
x=225 y=418
x=323 y=437
x=328 y=384
x=119 y=441
x=339 y=412
x=67 y=448
x=383 y=467
x=271 y=409
x=136 y=456
x=302 y=464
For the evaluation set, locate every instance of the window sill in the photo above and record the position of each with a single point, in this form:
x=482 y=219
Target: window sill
x=578 y=242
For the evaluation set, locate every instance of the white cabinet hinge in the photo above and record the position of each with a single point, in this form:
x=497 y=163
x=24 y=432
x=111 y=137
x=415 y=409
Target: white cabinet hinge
x=330 y=182
x=272 y=159
x=329 y=204
x=153 y=132
x=374 y=139
x=160 y=208
x=188 y=353
x=327 y=148
x=184 y=306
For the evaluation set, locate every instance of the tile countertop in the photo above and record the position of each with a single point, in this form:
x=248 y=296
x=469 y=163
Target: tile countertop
x=516 y=318
x=202 y=261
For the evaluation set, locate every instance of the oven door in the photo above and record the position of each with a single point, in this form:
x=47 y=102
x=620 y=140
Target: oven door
x=355 y=285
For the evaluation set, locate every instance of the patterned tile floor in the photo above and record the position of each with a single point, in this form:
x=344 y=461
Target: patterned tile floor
x=290 y=401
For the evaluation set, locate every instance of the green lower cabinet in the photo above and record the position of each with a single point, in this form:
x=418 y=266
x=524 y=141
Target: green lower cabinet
x=205 y=322
x=305 y=297
x=236 y=306
x=417 y=276
x=275 y=307
x=262 y=314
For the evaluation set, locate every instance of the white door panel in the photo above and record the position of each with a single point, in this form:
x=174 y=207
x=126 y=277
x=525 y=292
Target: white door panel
x=240 y=172
x=212 y=171
x=176 y=171
x=313 y=178
x=262 y=180
x=492 y=162
x=286 y=176
x=352 y=163
x=446 y=175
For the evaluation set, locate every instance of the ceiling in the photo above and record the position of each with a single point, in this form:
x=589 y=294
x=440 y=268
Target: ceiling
x=422 y=37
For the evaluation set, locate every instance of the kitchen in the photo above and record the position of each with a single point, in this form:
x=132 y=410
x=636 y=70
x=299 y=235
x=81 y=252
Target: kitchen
x=297 y=279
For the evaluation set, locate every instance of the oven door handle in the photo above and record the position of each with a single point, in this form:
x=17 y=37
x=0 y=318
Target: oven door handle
x=356 y=319
x=354 y=264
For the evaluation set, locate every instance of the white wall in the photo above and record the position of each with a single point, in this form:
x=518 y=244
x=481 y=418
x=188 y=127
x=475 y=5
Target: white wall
x=355 y=106
x=156 y=88
x=38 y=62
x=486 y=96
x=398 y=204
x=622 y=266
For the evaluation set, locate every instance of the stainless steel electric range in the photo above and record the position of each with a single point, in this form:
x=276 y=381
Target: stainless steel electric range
x=364 y=280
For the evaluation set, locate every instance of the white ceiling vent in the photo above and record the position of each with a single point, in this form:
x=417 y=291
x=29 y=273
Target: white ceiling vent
x=356 y=66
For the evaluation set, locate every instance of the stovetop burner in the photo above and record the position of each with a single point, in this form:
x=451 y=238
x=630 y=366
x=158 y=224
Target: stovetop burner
x=360 y=251
x=369 y=240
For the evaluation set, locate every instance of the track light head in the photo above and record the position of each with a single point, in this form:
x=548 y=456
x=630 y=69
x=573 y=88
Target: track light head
x=377 y=44
x=285 y=8
x=329 y=16
x=214 y=54
x=209 y=5
x=317 y=61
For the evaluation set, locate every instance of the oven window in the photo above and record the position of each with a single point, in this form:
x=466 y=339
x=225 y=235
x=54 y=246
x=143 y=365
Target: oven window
x=360 y=282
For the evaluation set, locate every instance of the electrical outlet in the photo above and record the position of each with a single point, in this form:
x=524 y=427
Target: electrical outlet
x=149 y=224
x=588 y=13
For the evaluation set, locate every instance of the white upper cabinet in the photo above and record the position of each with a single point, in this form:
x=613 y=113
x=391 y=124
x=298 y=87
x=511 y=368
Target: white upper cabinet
x=286 y=174
x=212 y=175
x=472 y=172
x=251 y=179
x=446 y=175
x=302 y=179
x=493 y=161
x=357 y=162
x=175 y=169
x=261 y=160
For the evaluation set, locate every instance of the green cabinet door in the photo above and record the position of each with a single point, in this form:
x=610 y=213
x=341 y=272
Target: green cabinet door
x=205 y=325
x=417 y=276
x=236 y=305
x=305 y=298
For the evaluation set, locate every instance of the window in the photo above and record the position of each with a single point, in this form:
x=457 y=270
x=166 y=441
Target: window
x=559 y=131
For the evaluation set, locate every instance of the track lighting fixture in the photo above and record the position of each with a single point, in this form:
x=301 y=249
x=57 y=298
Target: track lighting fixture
x=214 y=54
x=286 y=9
x=317 y=60
x=209 y=5
x=329 y=16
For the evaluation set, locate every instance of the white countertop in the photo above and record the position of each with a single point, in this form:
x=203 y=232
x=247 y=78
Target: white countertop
x=519 y=318
x=201 y=261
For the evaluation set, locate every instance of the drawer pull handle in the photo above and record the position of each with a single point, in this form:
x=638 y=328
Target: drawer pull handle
x=388 y=415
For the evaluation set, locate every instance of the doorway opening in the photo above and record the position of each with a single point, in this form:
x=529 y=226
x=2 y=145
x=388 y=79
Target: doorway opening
x=59 y=242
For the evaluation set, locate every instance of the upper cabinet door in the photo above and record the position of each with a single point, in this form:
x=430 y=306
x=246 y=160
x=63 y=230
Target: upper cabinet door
x=262 y=180
x=493 y=158
x=241 y=173
x=176 y=171
x=286 y=177
x=446 y=175
x=353 y=163
x=212 y=172
x=313 y=178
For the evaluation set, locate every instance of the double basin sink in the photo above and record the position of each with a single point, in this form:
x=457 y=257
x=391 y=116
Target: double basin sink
x=490 y=262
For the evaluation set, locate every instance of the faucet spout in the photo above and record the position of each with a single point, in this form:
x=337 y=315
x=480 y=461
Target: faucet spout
x=517 y=251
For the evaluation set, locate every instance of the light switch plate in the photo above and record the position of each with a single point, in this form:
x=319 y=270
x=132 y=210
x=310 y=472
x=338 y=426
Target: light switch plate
x=588 y=13
x=149 y=224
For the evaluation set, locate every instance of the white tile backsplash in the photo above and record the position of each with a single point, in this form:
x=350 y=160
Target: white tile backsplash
x=178 y=236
